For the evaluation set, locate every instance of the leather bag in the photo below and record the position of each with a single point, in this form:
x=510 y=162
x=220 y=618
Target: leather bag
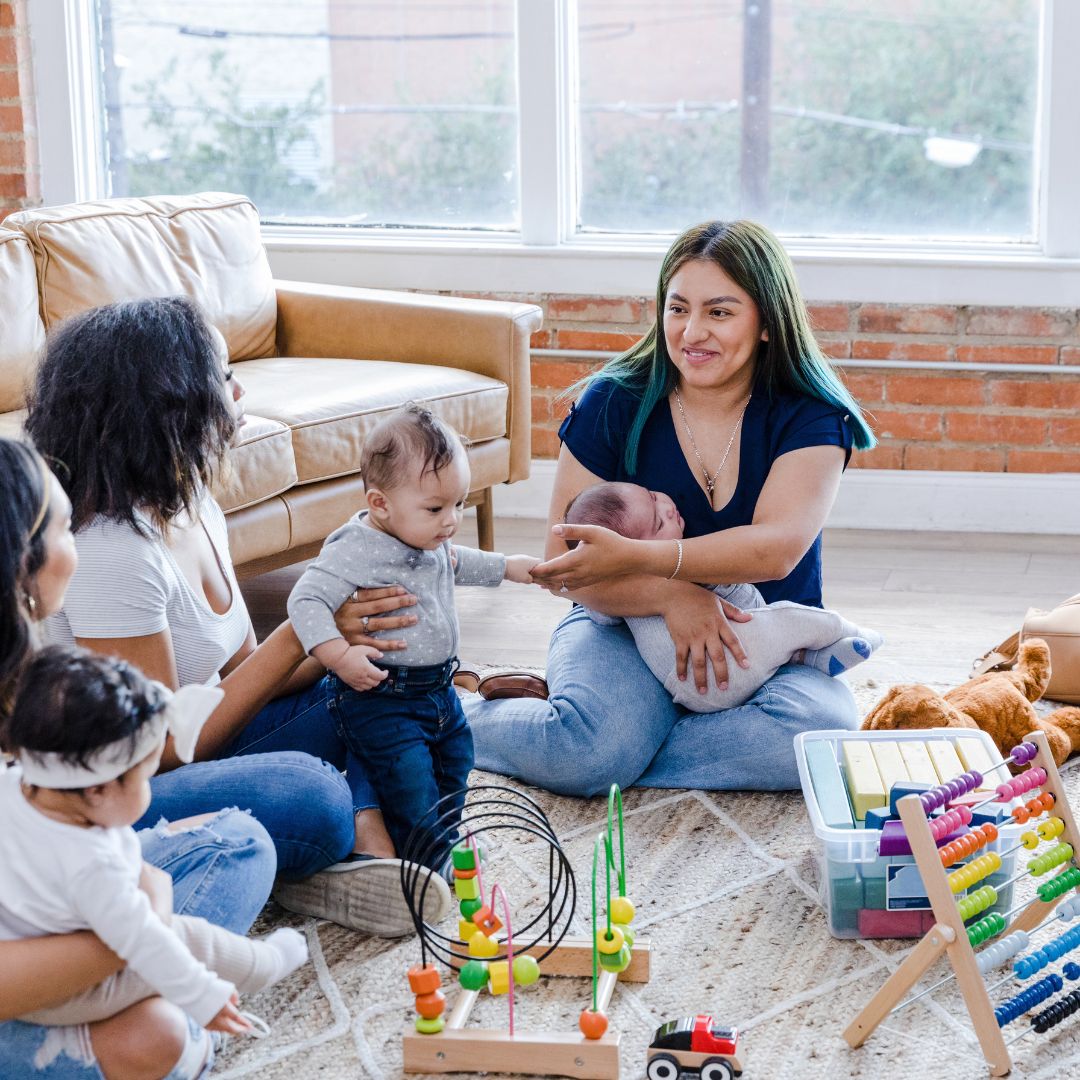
x=1060 y=629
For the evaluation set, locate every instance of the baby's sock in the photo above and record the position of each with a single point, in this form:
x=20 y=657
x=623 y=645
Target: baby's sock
x=844 y=653
x=251 y=964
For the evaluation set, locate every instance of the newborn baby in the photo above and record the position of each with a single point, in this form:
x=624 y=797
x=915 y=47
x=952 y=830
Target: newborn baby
x=779 y=633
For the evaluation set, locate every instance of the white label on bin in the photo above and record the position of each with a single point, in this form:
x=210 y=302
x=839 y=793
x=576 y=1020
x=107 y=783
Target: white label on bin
x=904 y=889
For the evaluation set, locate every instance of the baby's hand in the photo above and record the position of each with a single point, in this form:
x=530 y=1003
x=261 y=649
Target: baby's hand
x=519 y=568
x=356 y=669
x=228 y=1020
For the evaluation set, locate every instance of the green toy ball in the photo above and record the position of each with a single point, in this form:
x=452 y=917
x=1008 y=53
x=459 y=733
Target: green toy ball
x=474 y=975
x=526 y=970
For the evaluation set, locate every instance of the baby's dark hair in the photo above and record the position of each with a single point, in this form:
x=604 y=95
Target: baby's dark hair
x=601 y=504
x=399 y=441
x=72 y=702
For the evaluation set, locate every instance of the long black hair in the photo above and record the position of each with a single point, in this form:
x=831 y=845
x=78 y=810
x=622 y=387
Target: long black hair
x=24 y=517
x=131 y=399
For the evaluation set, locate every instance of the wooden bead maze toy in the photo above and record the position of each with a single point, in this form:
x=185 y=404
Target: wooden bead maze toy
x=496 y=951
x=960 y=926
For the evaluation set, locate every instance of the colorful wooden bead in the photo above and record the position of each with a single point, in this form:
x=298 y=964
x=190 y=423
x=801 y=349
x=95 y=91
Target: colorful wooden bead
x=467 y=888
x=465 y=929
x=1051 y=828
x=464 y=874
x=463 y=857
x=469 y=908
x=621 y=910
x=482 y=947
x=430 y=1027
x=431 y=1005
x=618 y=961
x=473 y=975
x=609 y=941
x=526 y=970
x=627 y=933
x=499 y=976
x=1030 y=840
x=592 y=1024
x=486 y=920
x=424 y=980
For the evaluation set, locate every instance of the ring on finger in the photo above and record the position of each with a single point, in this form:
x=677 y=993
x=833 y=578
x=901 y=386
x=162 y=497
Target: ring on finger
x=354 y=596
x=563 y=588
x=364 y=622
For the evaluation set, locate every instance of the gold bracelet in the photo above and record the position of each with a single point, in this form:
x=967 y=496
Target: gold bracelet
x=678 y=563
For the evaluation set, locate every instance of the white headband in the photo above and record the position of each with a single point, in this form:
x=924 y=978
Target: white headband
x=183 y=717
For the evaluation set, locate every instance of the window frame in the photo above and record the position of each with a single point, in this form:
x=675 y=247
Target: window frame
x=546 y=255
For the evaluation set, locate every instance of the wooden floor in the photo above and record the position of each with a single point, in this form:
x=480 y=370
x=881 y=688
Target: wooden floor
x=940 y=599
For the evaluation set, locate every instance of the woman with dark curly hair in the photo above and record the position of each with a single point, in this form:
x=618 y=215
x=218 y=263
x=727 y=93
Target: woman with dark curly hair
x=138 y=404
x=219 y=867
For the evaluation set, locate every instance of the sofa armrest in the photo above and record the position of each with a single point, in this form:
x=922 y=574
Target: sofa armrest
x=489 y=337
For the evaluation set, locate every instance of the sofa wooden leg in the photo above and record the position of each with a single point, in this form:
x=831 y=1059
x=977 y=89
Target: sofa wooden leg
x=485 y=520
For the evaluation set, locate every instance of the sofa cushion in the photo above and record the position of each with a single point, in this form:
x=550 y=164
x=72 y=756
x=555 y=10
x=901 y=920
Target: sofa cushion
x=23 y=335
x=204 y=246
x=260 y=465
x=331 y=405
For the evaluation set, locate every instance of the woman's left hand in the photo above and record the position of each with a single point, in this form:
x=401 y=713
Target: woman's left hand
x=367 y=611
x=600 y=554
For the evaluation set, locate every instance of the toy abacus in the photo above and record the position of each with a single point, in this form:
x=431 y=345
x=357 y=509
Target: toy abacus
x=496 y=954
x=958 y=941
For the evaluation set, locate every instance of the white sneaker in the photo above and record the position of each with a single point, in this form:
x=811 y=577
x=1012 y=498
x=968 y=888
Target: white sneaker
x=364 y=895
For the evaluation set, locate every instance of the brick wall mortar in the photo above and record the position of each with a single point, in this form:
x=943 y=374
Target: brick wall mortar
x=20 y=179
x=967 y=417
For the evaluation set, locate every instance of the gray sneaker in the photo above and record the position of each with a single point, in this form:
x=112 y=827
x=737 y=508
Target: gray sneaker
x=364 y=895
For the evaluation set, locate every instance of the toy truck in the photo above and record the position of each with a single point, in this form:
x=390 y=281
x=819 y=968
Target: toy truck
x=695 y=1045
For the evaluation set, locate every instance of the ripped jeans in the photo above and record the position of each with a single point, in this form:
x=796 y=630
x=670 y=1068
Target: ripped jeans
x=221 y=871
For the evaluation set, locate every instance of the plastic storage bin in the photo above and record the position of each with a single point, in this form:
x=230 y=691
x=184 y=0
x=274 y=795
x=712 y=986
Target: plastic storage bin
x=866 y=895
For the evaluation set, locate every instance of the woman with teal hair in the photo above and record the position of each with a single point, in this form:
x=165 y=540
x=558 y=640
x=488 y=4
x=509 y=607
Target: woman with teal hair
x=729 y=407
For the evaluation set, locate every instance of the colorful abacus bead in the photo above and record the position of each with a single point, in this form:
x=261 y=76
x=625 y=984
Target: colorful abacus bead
x=995 y=955
x=1066 y=880
x=1034 y=995
x=986 y=928
x=976 y=870
x=1051 y=828
x=950 y=821
x=1057 y=1012
x=1033 y=808
x=977 y=902
x=1030 y=840
x=1022 y=754
x=1049 y=860
x=1071 y=971
x=1069 y=908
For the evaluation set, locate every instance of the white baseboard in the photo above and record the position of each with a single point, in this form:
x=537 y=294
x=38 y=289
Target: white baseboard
x=890 y=499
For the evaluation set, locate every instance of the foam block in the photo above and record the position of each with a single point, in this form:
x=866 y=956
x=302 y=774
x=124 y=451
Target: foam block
x=946 y=760
x=876 y=817
x=863 y=779
x=828 y=785
x=906 y=787
x=917 y=762
x=874 y=892
x=890 y=765
x=975 y=756
x=847 y=893
x=843 y=919
x=875 y=924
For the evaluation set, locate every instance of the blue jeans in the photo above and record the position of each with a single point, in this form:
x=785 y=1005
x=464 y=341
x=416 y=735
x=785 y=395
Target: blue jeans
x=221 y=871
x=607 y=720
x=412 y=734
x=285 y=767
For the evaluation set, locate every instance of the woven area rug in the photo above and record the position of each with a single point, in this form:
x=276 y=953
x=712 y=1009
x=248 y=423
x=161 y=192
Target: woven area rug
x=726 y=888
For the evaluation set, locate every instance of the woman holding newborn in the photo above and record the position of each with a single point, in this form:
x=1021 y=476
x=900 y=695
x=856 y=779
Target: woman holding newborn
x=728 y=407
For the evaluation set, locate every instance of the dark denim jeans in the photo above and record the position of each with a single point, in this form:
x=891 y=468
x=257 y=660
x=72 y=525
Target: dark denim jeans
x=416 y=746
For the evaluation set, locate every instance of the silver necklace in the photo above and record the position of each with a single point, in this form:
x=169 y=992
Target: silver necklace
x=710 y=481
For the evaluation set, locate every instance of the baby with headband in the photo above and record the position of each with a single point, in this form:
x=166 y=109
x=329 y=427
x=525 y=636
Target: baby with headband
x=87 y=733
x=779 y=633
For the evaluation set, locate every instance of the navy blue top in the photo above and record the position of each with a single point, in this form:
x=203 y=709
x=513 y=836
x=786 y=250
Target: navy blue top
x=596 y=432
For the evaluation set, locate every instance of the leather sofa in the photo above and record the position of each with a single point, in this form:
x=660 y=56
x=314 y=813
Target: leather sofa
x=320 y=363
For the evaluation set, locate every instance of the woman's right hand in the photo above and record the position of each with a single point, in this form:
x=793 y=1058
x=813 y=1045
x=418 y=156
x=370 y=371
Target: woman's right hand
x=372 y=605
x=700 y=626
x=229 y=1020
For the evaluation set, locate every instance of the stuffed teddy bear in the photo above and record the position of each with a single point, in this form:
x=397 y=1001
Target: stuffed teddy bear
x=999 y=702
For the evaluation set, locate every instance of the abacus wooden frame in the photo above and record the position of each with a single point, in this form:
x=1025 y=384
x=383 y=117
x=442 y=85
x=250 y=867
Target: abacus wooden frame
x=949 y=935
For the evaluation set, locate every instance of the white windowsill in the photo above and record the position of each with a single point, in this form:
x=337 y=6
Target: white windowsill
x=1018 y=276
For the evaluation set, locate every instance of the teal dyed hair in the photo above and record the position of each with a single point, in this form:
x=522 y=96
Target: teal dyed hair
x=789 y=361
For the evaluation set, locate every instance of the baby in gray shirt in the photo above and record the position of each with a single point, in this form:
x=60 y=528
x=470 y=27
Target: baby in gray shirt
x=404 y=721
x=779 y=633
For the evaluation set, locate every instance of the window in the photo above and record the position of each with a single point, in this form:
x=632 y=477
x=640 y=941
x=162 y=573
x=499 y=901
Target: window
x=322 y=111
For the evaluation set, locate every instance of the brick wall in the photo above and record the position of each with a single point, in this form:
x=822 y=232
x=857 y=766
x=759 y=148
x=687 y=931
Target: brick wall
x=972 y=414
x=20 y=185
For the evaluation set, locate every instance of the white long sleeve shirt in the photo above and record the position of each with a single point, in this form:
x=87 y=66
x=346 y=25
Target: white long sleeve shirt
x=57 y=878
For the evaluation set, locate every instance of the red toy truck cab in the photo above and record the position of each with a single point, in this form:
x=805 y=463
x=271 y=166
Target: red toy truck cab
x=693 y=1044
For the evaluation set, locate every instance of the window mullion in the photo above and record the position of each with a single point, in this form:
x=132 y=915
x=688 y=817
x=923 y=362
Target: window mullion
x=541 y=94
x=1059 y=134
